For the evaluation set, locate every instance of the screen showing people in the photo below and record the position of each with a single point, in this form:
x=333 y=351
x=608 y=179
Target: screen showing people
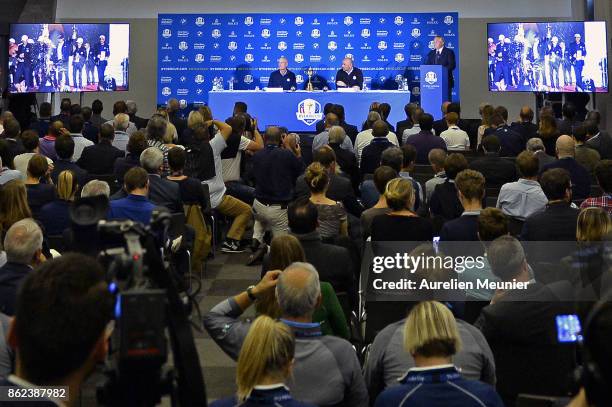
x=68 y=57
x=547 y=57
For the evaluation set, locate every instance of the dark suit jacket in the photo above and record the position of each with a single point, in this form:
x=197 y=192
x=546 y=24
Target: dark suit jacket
x=55 y=217
x=556 y=223
x=370 y=156
x=581 y=180
x=424 y=142
x=179 y=123
x=526 y=129
x=512 y=143
x=122 y=165
x=401 y=126
x=11 y=276
x=496 y=170
x=161 y=192
x=544 y=159
x=566 y=126
x=462 y=229
x=62 y=117
x=350 y=130
x=603 y=144
x=90 y=132
x=447 y=59
x=100 y=158
x=62 y=165
x=340 y=189
x=141 y=122
x=347 y=162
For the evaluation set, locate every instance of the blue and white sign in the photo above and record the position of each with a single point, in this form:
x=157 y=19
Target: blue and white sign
x=244 y=49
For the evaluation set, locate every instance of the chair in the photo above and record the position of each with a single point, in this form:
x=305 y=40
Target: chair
x=194 y=217
x=209 y=217
x=56 y=243
x=110 y=179
x=595 y=191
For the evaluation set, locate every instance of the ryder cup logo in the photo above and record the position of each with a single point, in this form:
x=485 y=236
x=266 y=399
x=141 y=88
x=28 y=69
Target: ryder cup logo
x=299 y=21
x=166 y=91
x=183 y=45
x=166 y=33
x=232 y=46
x=248 y=79
x=249 y=58
x=399 y=20
x=248 y=21
x=216 y=33
x=332 y=46
x=265 y=33
x=309 y=111
x=299 y=79
x=382 y=45
x=399 y=57
x=299 y=58
x=365 y=33
x=448 y=20
x=431 y=77
x=315 y=33
x=348 y=20
x=416 y=33
x=199 y=21
x=199 y=79
x=431 y=44
x=199 y=58
x=416 y=91
x=182 y=103
x=282 y=46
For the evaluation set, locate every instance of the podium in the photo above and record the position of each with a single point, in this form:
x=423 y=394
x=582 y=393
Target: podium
x=434 y=89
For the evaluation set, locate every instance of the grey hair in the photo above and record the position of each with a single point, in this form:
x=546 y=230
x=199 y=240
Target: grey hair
x=156 y=128
x=151 y=159
x=535 y=144
x=121 y=122
x=22 y=241
x=373 y=116
x=132 y=108
x=393 y=157
x=298 y=301
x=336 y=134
x=506 y=257
x=95 y=187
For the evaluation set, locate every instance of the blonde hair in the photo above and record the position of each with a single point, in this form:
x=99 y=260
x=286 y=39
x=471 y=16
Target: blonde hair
x=431 y=330
x=593 y=225
x=13 y=204
x=195 y=119
x=268 y=350
x=170 y=132
x=67 y=185
x=399 y=194
x=206 y=113
x=316 y=177
x=284 y=250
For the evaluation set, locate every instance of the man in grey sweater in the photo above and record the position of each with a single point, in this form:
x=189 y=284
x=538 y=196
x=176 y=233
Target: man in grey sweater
x=326 y=370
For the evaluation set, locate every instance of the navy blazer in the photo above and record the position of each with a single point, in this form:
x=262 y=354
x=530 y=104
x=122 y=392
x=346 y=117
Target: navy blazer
x=55 y=217
x=61 y=165
x=370 y=156
x=162 y=192
x=446 y=59
x=581 y=180
x=11 y=276
x=512 y=142
x=99 y=158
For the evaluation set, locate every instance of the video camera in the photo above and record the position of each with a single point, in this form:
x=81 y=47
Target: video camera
x=147 y=305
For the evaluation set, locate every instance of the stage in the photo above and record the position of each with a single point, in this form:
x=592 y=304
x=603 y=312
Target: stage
x=300 y=110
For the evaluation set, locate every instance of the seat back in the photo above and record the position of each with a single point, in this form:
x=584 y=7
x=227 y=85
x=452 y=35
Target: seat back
x=203 y=236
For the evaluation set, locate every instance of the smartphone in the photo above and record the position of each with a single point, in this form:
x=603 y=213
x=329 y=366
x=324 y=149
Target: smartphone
x=568 y=328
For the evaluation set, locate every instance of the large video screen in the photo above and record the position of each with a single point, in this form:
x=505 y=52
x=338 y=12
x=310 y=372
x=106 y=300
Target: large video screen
x=68 y=57
x=547 y=57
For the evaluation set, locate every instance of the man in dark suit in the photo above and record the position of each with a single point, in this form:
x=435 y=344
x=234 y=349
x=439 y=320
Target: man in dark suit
x=90 y=132
x=405 y=124
x=471 y=190
x=100 y=158
x=568 y=123
x=370 y=156
x=345 y=159
x=332 y=262
x=535 y=145
x=140 y=122
x=519 y=324
x=351 y=130
x=44 y=119
x=425 y=140
x=598 y=139
x=496 y=170
x=581 y=180
x=441 y=125
x=511 y=142
x=340 y=188
x=23 y=247
x=64 y=115
x=525 y=127
x=558 y=221
x=174 y=116
x=64 y=148
x=441 y=55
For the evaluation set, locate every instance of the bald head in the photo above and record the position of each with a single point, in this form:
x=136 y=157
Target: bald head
x=298 y=290
x=566 y=147
x=526 y=114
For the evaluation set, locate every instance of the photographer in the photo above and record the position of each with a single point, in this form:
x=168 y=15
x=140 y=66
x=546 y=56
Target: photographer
x=59 y=332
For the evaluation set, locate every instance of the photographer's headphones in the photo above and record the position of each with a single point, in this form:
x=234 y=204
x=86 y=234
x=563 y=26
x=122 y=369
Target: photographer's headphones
x=597 y=390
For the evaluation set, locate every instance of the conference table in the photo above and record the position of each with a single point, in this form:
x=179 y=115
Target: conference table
x=300 y=110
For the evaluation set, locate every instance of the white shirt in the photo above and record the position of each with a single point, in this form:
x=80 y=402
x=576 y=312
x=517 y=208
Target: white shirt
x=364 y=139
x=121 y=140
x=231 y=166
x=21 y=163
x=131 y=127
x=216 y=185
x=455 y=139
x=80 y=143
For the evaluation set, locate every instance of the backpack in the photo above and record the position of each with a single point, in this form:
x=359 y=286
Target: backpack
x=199 y=161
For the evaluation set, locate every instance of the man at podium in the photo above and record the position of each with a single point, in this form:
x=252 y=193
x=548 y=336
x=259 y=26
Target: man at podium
x=441 y=55
x=349 y=76
x=282 y=77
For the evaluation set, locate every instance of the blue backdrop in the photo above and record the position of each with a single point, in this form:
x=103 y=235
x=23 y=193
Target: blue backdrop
x=194 y=49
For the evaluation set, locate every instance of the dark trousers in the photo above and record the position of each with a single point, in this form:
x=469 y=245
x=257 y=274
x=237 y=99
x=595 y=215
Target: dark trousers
x=241 y=191
x=553 y=66
x=89 y=72
x=101 y=71
x=502 y=69
x=61 y=69
x=77 y=74
x=24 y=69
x=578 y=65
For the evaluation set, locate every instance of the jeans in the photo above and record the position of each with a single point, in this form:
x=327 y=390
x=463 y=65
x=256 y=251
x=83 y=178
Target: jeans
x=240 y=191
x=269 y=217
x=241 y=212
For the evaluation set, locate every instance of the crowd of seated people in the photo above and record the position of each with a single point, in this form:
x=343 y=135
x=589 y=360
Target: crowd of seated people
x=533 y=201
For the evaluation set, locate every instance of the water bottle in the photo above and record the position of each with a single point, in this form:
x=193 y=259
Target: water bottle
x=220 y=83
x=231 y=84
x=365 y=86
x=405 y=84
x=215 y=86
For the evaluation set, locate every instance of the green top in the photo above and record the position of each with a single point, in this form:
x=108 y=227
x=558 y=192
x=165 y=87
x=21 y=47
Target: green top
x=330 y=314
